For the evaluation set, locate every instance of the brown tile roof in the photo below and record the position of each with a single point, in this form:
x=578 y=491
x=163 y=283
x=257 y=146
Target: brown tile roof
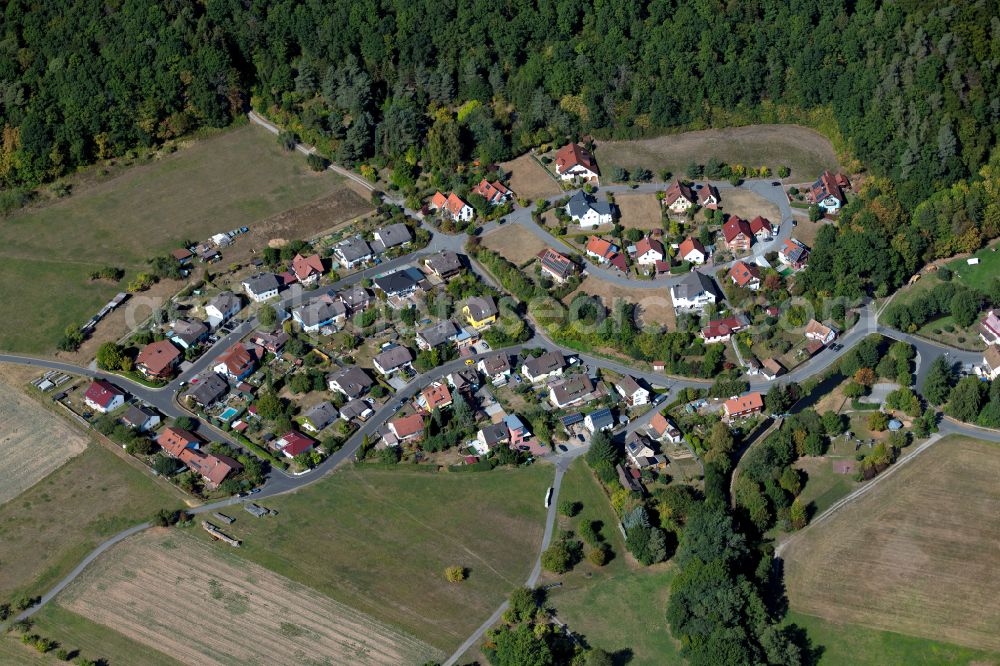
x=305 y=267
x=677 y=190
x=735 y=226
x=572 y=155
x=174 y=440
x=690 y=244
x=742 y=273
x=158 y=357
x=744 y=403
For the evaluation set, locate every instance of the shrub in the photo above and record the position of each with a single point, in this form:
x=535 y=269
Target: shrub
x=598 y=556
x=456 y=574
x=569 y=508
x=557 y=558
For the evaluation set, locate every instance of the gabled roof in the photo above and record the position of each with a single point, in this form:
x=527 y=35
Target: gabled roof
x=744 y=403
x=694 y=283
x=393 y=235
x=352 y=380
x=556 y=263
x=735 y=226
x=438 y=200
x=454 y=204
x=660 y=424
x=136 y=415
x=481 y=307
x=353 y=249
x=188 y=330
x=320 y=311
x=742 y=274
x=628 y=385
x=353 y=409
x=571 y=389
x=546 y=363
x=306 y=267
x=493 y=192
x=707 y=193
x=214 y=468
x=174 y=440
x=321 y=415
x=261 y=283
x=295 y=443
x=444 y=263
x=405 y=426
x=396 y=282
x=210 y=387
x=496 y=364
x=439 y=333
x=760 y=223
x=225 y=301
x=102 y=392
x=436 y=395
x=158 y=356
x=237 y=359
x=572 y=155
x=689 y=245
x=618 y=261
x=393 y=357
x=580 y=203
x=817 y=331
x=793 y=251
x=827 y=186
x=772 y=366
x=678 y=190
x=601 y=418
x=718 y=328
x=992 y=357
x=600 y=247
x=647 y=244
x=495 y=432
x=272 y=341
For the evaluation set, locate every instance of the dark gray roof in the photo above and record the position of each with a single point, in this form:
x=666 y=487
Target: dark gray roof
x=602 y=418
x=261 y=283
x=353 y=249
x=393 y=235
x=439 y=333
x=481 y=307
x=320 y=311
x=693 y=284
x=580 y=203
x=321 y=415
x=444 y=263
x=546 y=363
x=394 y=357
x=354 y=296
x=189 y=330
x=354 y=408
x=495 y=432
x=136 y=415
x=352 y=379
x=396 y=283
x=226 y=301
x=210 y=387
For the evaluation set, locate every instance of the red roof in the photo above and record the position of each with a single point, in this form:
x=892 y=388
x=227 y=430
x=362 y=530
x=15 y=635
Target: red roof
x=744 y=403
x=305 y=267
x=494 y=192
x=455 y=204
x=213 y=468
x=677 y=190
x=158 y=357
x=407 y=426
x=720 y=327
x=690 y=244
x=295 y=443
x=237 y=359
x=662 y=267
x=572 y=155
x=618 y=261
x=181 y=254
x=758 y=223
x=647 y=244
x=102 y=392
x=600 y=247
x=659 y=424
x=742 y=274
x=436 y=395
x=175 y=440
x=438 y=200
x=735 y=226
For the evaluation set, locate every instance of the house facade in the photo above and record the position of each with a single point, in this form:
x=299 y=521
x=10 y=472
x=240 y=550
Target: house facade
x=692 y=251
x=574 y=162
x=103 y=396
x=737 y=234
x=538 y=369
x=261 y=287
x=648 y=251
x=679 y=197
x=588 y=212
x=743 y=406
x=693 y=292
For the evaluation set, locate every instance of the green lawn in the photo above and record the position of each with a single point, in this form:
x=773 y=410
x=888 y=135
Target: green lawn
x=824 y=486
x=232 y=179
x=980 y=276
x=380 y=540
x=853 y=645
x=620 y=607
x=48 y=529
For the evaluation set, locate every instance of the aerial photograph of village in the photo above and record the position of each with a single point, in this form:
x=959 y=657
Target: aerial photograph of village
x=535 y=333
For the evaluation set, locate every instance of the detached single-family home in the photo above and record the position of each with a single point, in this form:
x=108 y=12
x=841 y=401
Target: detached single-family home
x=664 y=430
x=495 y=193
x=407 y=428
x=435 y=396
x=519 y=432
x=207 y=389
x=272 y=341
x=736 y=232
x=237 y=363
x=629 y=389
x=557 y=266
x=480 y=311
x=745 y=275
x=828 y=193
x=743 y=406
x=444 y=264
x=319 y=416
x=641 y=451
x=692 y=251
x=601 y=250
x=294 y=443
x=574 y=161
x=793 y=253
x=392 y=359
x=103 y=396
x=393 y=235
x=261 y=287
x=493 y=435
x=355 y=409
x=352 y=252
x=708 y=196
x=693 y=292
x=436 y=335
x=601 y=419
x=158 y=359
x=817 y=331
x=648 y=251
x=495 y=367
x=307 y=270
x=224 y=305
x=356 y=298
x=323 y=311
x=570 y=391
x=549 y=364
x=679 y=197
x=989 y=328
x=452 y=206
x=141 y=418
x=771 y=369
x=188 y=332
x=991 y=362
x=174 y=440
x=399 y=283
x=761 y=228
x=465 y=380
x=211 y=467
x=587 y=211
x=351 y=382
x=720 y=330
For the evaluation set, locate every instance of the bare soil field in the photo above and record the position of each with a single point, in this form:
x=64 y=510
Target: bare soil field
x=748 y=205
x=514 y=242
x=654 y=305
x=529 y=180
x=639 y=211
x=807 y=231
x=805 y=151
x=33 y=442
x=916 y=555
x=204 y=605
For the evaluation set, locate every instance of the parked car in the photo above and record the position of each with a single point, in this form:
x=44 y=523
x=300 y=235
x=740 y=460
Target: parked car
x=562 y=447
x=581 y=438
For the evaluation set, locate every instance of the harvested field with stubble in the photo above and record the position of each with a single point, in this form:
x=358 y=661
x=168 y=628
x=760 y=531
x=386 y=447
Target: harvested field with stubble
x=529 y=180
x=639 y=211
x=204 y=605
x=33 y=442
x=748 y=205
x=514 y=242
x=806 y=152
x=917 y=555
x=654 y=305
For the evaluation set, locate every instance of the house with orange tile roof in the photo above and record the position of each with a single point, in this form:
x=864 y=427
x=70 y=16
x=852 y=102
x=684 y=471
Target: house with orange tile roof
x=158 y=359
x=827 y=192
x=435 y=396
x=495 y=193
x=708 y=196
x=819 y=332
x=761 y=228
x=175 y=440
x=573 y=161
x=692 y=251
x=648 y=251
x=737 y=234
x=453 y=206
x=237 y=362
x=745 y=275
x=307 y=270
x=743 y=406
x=407 y=428
x=720 y=330
x=600 y=249
x=212 y=468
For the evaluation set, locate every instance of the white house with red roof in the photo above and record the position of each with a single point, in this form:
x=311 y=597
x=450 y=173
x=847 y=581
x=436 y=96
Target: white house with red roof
x=294 y=443
x=575 y=162
x=648 y=251
x=103 y=396
x=708 y=197
x=989 y=328
x=828 y=192
x=405 y=428
x=761 y=228
x=495 y=193
x=745 y=275
x=453 y=206
x=679 y=197
x=737 y=233
x=743 y=406
x=601 y=250
x=692 y=251
x=720 y=330
x=307 y=270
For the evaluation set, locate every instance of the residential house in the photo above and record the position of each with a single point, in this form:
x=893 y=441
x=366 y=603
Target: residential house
x=745 y=275
x=520 y=435
x=587 y=211
x=188 y=332
x=222 y=307
x=141 y=418
x=173 y=440
x=737 y=234
x=261 y=286
x=351 y=382
x=743 y=406
x=182 y=255
x=641 y=451
x=575 y=162
x=664 y=430
x=720 y=330
x=352 y=252
x=495 y=193
x=708 y=196
x=496 y=368
x=444 y=264
x=212 y=468
x=436 y=335
x=989 y=328
x=570 y=391
x=557 y=266
x=648 y=251
x=393 y=235
x=398 y=284
x=355 y=409
x=158 y=359
x=238 y=362
x=634 y=394
x=356 y=298
x=207 y=389
x=598 y=420
x=600 y=249
x=693 y=292
x=465 y=380
x=629 y=479
x=991 y=362
x=817 y=331
x=618 y=262
x=392 y=359
x=272 y=341
x=493 y=434
x=679 y=197
x=307 y=270
x=103 y=396
x=319 y=416
x=436 y=396
x=452 y=206
x=771 y=369
x=761 y=228
x=827 y=192
x=549 y=364
x=793 y=253
x=407 y=428
x=294 y=443
x=692 y=251
x=480 y=311
x=323 y=311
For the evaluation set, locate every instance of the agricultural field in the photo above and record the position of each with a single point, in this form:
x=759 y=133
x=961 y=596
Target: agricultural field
x=529 y=179
x=199 y=603
x=748 y=205
x=654 y=306
x=514 y=242
x=915 y=555
x=640 y=211
x=379 y=541
x=235 y=178
x=69 y=512
x=805 y=151
x=33 y=442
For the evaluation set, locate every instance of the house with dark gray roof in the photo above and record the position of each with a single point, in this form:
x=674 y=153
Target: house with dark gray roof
x=398 y=283
x=188 y=332
x=210 y=387
x=549 y=364
x=436 y=334
x=356 y=298
x=353 y=251
x=392 y=359
x=601 y=419
x=319 y=416
x=320 y=312
x=261 y=286
x=355 y=409
x=587 y=211
x=444 y=264
x=352 y=381
x=694 y=291
x=225 y=305
x=393 y=235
